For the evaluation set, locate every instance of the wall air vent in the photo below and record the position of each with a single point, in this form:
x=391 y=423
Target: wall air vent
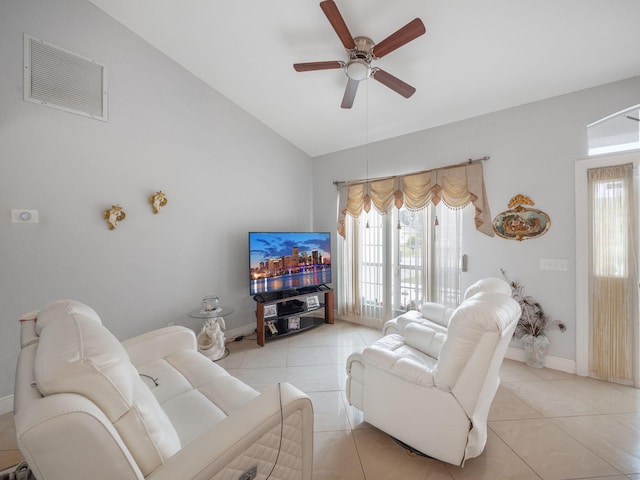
x=60 y=79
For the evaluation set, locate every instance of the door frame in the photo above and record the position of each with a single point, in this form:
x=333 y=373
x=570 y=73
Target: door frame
x=582 y=251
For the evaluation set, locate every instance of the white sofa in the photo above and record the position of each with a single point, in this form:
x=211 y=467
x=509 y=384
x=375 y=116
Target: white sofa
x=437 y=316
x=433 y=390
x=87 y=406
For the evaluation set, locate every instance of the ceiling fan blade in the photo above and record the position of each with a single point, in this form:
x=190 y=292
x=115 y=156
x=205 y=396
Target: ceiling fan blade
x=410 y=31
x=310 y=66
x=337 y=22
x=349 y=93
x=393 y=83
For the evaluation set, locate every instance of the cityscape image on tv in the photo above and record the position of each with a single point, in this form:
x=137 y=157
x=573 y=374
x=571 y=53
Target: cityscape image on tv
x=287 y=261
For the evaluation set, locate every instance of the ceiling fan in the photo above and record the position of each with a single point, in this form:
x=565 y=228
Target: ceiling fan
x=362 y=51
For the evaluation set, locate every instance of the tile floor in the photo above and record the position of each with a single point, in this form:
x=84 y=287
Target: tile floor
x=543 y=424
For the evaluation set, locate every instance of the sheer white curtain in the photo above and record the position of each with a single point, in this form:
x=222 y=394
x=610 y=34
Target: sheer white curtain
x=363 y=293
x=447 y=247
x=613 y=274
x=348 y=293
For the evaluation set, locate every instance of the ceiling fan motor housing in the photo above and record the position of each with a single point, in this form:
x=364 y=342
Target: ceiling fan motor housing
x=359 y=65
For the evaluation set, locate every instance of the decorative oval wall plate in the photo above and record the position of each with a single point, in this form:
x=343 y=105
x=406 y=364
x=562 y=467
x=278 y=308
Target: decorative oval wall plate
x=521 y=223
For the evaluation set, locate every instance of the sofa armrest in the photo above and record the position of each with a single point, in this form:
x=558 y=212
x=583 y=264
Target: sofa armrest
x=437 y=313
x=159 y=343
x=425 y=339
x=276 y=425
x=399 y=365
x=396 y=325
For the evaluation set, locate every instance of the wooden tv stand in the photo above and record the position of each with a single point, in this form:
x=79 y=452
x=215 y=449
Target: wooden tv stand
x=283 y=312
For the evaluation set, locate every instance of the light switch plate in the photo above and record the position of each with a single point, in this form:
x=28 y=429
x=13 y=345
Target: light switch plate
x=554 y=264
x=22 y=215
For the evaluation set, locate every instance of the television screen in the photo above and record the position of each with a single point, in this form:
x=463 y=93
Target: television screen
x=288 y=260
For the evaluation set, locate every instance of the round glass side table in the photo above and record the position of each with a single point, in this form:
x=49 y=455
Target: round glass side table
x=215 y=313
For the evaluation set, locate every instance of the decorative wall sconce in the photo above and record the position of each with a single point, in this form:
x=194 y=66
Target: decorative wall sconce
x=520 y=223
x=114 y=215
x=158 y=201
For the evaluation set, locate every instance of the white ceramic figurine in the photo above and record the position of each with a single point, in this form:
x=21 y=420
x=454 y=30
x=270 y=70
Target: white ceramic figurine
x=211 y=339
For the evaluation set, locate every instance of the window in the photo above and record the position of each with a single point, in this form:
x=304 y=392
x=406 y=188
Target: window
x=372 y=265
x=609 y=227
x=410 y=259
x=619 y=132
x=405 y=258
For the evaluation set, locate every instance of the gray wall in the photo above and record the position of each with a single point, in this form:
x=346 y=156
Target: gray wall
x=533 y=149
x=167 y=131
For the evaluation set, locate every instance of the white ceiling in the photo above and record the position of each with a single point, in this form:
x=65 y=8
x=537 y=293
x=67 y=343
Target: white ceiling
x=476 y=57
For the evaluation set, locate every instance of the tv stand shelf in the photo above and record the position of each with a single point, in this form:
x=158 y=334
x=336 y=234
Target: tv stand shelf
x=284 y=314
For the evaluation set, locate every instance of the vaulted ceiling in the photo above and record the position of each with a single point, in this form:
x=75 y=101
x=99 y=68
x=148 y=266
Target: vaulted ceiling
x=476 y=57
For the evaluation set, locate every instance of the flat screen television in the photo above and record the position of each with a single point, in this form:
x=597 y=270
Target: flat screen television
x=280 y=261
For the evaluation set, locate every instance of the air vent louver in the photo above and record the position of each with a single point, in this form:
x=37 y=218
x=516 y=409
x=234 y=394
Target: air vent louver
x=60 y=79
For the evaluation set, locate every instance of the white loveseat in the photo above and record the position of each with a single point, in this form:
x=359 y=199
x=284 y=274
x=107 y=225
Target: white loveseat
x=433 y=390
x=437 y=316
x=87 y=406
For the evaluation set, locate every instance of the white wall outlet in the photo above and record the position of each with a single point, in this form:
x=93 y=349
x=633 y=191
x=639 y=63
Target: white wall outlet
x=554 y=264
x=22 y=215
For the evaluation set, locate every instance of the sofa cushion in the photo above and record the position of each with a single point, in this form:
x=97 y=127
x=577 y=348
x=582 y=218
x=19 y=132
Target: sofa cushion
x=401 y=322
x=437 y=313
x=425 y=339
x=392 y=354
x=195 y=392
x=53 y=311
x=77 y=354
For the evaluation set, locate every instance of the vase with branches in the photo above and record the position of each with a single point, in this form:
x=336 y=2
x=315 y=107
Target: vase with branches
x=532 y=325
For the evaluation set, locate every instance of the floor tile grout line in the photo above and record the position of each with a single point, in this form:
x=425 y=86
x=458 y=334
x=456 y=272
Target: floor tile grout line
x=516 y=453
x=581 y=442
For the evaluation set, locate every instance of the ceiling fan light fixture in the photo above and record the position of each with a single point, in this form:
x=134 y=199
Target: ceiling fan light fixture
x=358 y=69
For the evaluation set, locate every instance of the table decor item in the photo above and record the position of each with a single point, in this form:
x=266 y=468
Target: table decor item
x=210 y=303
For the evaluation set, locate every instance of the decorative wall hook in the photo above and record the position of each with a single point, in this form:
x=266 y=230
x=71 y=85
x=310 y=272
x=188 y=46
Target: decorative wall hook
x=158 y=201
x=114 y=215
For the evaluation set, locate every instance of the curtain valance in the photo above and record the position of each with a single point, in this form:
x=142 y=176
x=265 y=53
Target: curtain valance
x=456 y=186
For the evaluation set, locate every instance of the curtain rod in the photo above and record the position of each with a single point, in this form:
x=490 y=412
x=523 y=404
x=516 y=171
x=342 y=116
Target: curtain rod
x=468 y=162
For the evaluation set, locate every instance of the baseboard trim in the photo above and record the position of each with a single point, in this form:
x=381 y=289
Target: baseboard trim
x=555 y=363
x=243 y=330
x=365 y=321
x=6 y=404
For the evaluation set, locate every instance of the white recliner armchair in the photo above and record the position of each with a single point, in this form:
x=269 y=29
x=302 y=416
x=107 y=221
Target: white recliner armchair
x=433 y=390
x=87 y=406
x=436 y=315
